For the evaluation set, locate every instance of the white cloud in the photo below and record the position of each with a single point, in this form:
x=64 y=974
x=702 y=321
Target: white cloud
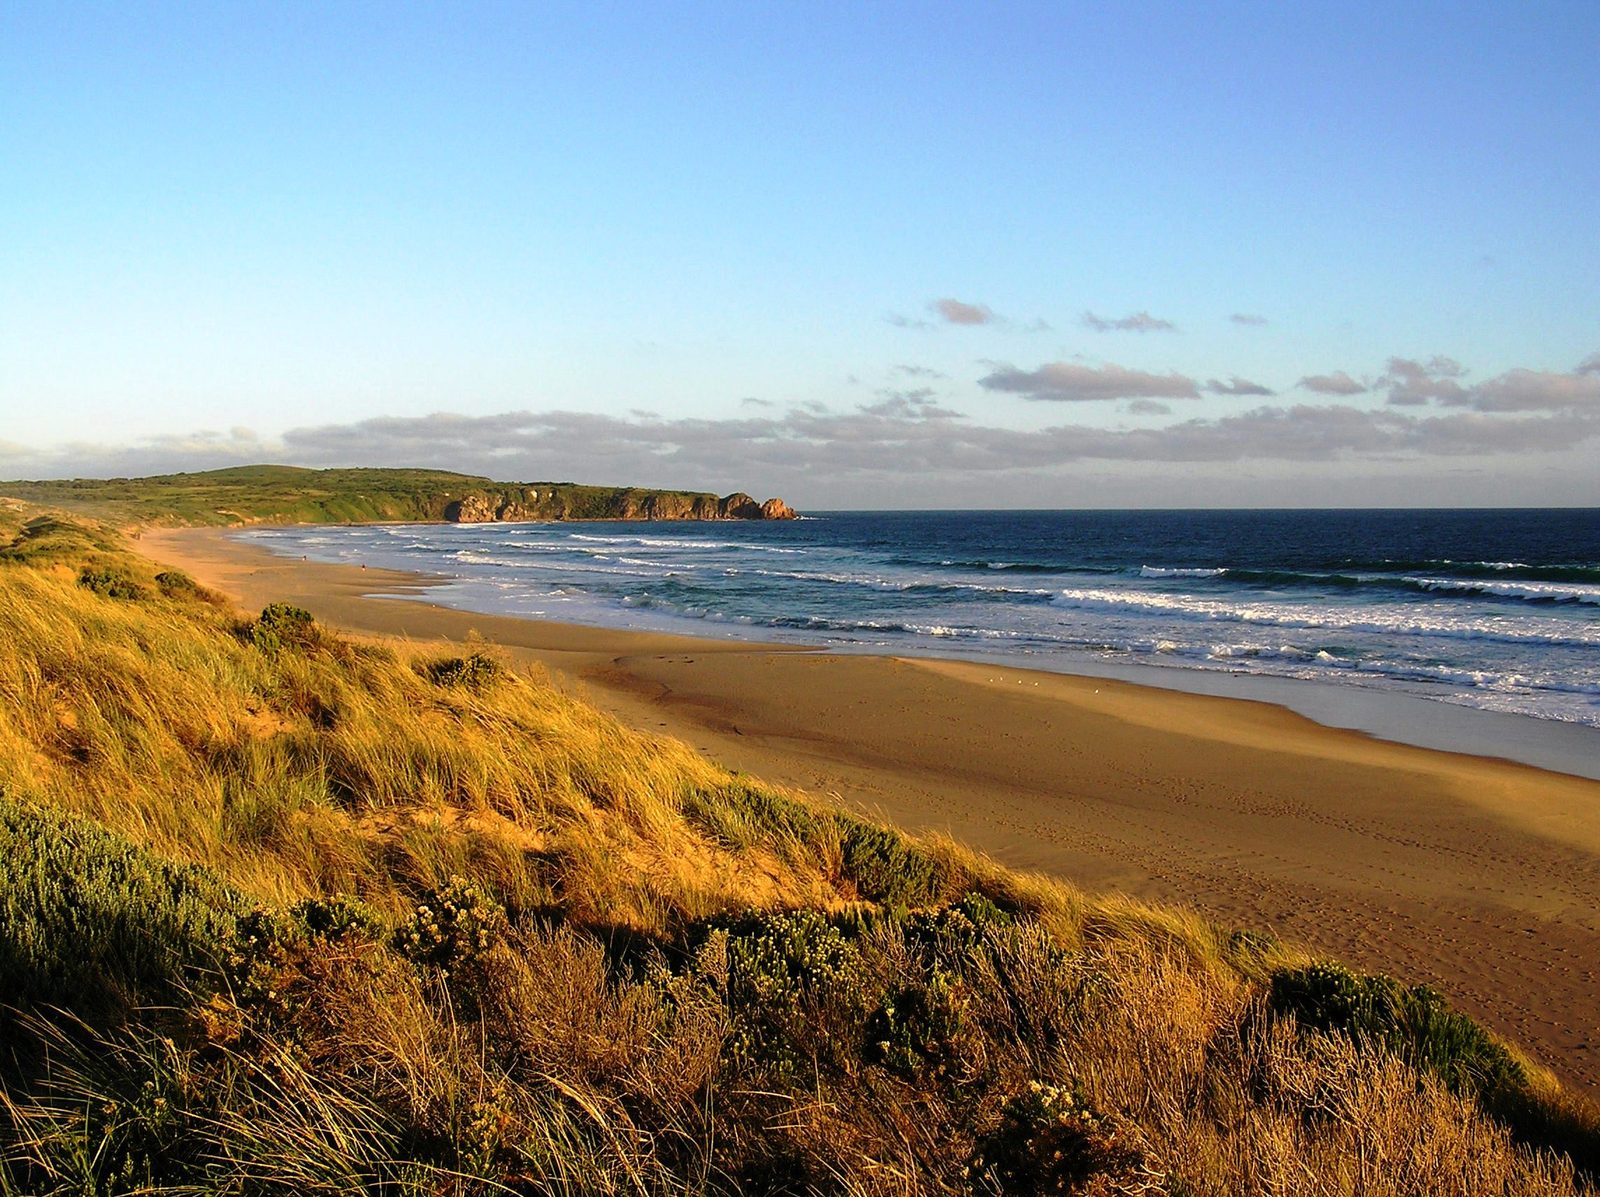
x=954 y=311
x=1140 y=322
x=1074 y=383
x=1529 y=390
x=1337 y=383
x=1413 y=383
x=1149 y=407
x=1238 y=386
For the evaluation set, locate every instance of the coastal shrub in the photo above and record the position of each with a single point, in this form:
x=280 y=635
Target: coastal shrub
x=281 y=625
x=887 y=867
x=336 y=918
x=109 y=583
x=1050 y=1141
x=90 y=922
x=454 y=924
x=796 y=986
x=475 y=671
x=921 y=1029
x=175 y=584
x=958 y=928
x=1413 y=1022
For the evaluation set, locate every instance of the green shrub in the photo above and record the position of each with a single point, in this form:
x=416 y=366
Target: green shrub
x=920 y=1028
x=452 y=925
x=282 y=625
x=797 y=987
x=109 y=583
x=1414 y=1023
x=1050 y=1141
x=174 y=583
x=958 y=927
x=475 y=671
x=887 y=867
x=90 y=922
x=336 y=917
x=1417 y=1025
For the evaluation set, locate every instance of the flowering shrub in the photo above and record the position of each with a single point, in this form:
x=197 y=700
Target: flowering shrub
x=1051 y=1142
x=454 y=925
x=920 y=1027
x=796 y=984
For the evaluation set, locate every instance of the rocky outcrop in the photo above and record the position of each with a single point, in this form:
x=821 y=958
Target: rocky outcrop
x=569 y=502
x=738 y=506
x=473 y=509
x=679 y=507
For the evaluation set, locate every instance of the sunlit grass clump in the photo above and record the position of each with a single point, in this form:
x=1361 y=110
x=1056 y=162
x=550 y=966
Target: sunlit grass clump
x=285 y=912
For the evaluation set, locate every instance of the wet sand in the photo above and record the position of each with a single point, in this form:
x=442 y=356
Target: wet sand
x=1479 y=876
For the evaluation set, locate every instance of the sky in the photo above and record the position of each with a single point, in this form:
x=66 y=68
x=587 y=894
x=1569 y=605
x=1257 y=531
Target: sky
x=858 y=255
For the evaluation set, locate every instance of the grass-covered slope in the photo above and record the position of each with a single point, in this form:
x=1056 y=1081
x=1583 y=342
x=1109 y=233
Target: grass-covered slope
x=287 y=494
x=283 y=912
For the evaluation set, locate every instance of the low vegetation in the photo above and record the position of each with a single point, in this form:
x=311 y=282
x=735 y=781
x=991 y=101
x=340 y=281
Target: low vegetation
x=289 y=494
x=286 y=912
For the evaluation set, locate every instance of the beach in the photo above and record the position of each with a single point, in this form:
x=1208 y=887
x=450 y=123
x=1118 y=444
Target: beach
x=1479 y=876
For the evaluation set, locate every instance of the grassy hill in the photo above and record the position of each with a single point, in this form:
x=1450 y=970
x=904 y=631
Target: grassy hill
x=288 y=494
x=286 y=912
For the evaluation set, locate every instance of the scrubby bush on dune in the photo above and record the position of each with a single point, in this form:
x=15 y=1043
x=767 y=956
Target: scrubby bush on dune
x=281 y=625
x=474 y=671
x=91 y=922
x=109 y=583
x=409 y=934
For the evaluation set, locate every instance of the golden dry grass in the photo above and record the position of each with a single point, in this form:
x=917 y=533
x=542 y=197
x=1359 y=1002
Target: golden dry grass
x=617 y=1026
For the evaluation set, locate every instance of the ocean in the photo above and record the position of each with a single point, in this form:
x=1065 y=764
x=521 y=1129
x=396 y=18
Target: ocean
x=1497 y=609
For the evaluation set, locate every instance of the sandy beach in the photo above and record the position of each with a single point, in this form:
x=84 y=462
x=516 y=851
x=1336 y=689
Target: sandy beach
x=1479 y=876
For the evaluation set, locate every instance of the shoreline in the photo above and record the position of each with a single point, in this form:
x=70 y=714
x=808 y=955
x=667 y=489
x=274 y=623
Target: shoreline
x=1478 y=875
x=1389 y=713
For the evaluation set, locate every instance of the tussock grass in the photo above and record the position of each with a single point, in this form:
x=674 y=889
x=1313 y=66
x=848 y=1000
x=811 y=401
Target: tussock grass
x=284 y=912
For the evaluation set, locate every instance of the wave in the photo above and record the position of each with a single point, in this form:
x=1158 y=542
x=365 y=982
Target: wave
x=1156 y=571
x=921 y=585
x=1533 y=592
x=1019 y=567
x=670 y=543
x=1465 y=586
x=1549 y=572
x=1414 y=621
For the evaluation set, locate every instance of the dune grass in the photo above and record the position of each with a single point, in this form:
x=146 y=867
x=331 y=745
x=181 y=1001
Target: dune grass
x=285 y=912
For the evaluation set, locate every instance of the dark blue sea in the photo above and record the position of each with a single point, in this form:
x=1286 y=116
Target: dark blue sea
x=1498 y=610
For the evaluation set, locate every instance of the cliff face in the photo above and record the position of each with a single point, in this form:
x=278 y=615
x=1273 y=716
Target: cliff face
x=590 y=503
x=289 y=494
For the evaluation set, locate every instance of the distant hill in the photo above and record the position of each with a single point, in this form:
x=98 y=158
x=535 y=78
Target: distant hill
x=290 y=494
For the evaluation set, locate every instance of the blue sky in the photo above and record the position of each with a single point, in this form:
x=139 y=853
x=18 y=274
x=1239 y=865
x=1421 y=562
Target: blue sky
x=707 y=245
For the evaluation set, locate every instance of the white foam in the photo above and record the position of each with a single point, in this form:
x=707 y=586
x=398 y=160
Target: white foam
x=1386 y=620
x=1572 y=592
x=1156 y=571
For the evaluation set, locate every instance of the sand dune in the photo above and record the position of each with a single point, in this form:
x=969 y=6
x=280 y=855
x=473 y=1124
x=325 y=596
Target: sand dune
x=1480 y=876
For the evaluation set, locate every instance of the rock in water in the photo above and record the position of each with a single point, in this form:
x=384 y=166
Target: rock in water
x=739 y=506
